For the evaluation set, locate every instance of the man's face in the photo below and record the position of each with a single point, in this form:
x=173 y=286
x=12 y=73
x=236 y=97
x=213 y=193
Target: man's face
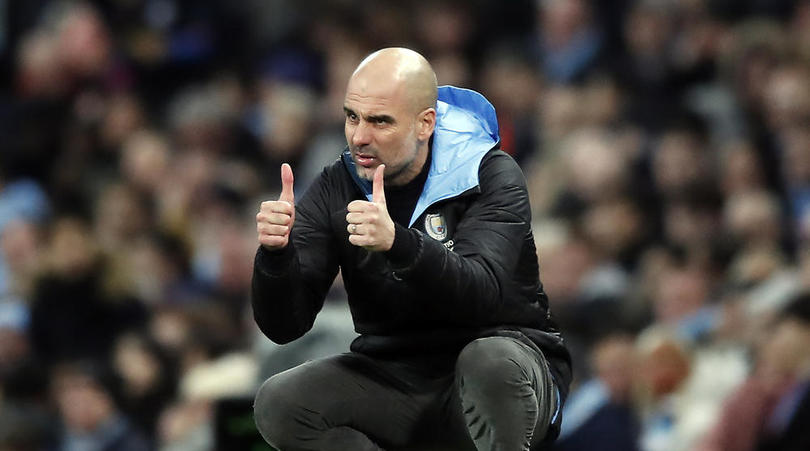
x=382 y=127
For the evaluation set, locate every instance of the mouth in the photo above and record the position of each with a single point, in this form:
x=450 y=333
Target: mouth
x=365 y=160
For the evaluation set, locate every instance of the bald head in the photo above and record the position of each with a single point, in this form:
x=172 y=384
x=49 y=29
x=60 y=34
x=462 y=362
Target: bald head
x=390 y=108
x=401 y=70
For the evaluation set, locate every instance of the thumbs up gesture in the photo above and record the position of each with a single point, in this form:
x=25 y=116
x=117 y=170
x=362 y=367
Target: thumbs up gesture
x=369 y=223
x=275 y=218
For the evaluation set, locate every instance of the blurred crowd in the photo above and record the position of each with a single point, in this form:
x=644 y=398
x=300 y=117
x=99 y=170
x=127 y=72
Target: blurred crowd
x=666 y=144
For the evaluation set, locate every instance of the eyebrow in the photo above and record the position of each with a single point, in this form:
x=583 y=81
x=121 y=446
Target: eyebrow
x=372 y=117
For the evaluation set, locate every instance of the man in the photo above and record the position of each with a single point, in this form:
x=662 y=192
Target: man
x=429 y=224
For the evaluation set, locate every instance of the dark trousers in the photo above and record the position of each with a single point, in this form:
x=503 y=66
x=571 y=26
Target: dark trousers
x=500 y=396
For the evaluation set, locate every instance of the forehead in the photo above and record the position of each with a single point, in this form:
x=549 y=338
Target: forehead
x=372 y=94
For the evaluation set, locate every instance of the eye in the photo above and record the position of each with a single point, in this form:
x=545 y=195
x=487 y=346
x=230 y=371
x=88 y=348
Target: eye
x=382 y=120
x=351 y=116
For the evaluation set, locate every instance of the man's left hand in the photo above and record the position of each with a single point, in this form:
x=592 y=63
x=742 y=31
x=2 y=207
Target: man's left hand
x=370 y=225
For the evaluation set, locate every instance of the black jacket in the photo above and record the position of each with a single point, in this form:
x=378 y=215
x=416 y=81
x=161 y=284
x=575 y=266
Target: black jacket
x=475 y=271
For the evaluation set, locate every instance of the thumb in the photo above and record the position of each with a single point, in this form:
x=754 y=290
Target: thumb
x=287 y=194
x=378 y=193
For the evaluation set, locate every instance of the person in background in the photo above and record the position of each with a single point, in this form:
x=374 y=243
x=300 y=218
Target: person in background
x=770 y=410
x=84 y=393
x=602 y=406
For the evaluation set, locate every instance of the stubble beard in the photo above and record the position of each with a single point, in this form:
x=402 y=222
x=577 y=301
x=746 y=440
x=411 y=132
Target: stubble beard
x=392 y=173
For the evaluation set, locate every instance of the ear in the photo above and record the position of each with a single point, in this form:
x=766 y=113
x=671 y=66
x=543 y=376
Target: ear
x=427 y=123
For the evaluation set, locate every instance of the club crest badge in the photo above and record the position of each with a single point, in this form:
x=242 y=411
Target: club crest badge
x=435 y=226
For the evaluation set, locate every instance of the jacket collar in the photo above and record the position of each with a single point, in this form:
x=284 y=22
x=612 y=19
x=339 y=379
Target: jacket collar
x=466 y=129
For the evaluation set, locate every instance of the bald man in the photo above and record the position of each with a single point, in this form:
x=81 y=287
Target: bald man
x=429 y=224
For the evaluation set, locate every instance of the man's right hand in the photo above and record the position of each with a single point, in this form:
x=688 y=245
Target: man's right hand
x=275 y=218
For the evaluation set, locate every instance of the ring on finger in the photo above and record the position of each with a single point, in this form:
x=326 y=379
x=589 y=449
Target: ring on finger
x=354 y=228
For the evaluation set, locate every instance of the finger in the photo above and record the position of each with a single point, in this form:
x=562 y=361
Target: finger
x=287 y=194
x=359 y=240
x=277 y=207
x=274 y=218
x=358 y=206
x=356 y=218
x=273 y=230
x=354 y=229
x=378 y=190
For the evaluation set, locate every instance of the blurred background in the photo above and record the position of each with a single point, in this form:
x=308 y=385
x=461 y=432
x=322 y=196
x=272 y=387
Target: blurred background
x=666 y=144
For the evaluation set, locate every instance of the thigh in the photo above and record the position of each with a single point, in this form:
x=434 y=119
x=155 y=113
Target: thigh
x=350 y=390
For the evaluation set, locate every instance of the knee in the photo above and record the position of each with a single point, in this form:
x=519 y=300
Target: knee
x=496 y=356
x=272 y=411
x=491 y=363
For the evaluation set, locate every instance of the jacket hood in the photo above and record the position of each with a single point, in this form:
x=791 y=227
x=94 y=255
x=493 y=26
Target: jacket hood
x=466 y=129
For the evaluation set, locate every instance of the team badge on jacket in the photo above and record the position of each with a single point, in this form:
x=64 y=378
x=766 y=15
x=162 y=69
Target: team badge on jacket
x=436 y=226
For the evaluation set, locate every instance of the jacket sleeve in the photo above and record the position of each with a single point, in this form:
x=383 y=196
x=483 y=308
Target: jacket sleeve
x=476 y=280
x=289 y=286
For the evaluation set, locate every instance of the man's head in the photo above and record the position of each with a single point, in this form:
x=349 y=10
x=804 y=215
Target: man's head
x=390 y=108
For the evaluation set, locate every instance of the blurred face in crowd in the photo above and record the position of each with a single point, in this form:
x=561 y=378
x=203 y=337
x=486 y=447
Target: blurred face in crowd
x=663 y=365
x=390 y=115
x=84 y=42
x=138 y=366
x=596 y=166
x=83 y=404
x=754 y=218
x=613 y=360
x=679 y=294
x=679 y=163
x=740 y=169
x=71 y=251
x=561 y=19
x=785 y=351
x=14 y=346
x=787 y=97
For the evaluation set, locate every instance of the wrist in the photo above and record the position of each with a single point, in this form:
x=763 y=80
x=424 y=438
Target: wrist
x=403 y=249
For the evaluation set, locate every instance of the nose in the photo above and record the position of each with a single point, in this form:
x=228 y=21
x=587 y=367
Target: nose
x=361 y=135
